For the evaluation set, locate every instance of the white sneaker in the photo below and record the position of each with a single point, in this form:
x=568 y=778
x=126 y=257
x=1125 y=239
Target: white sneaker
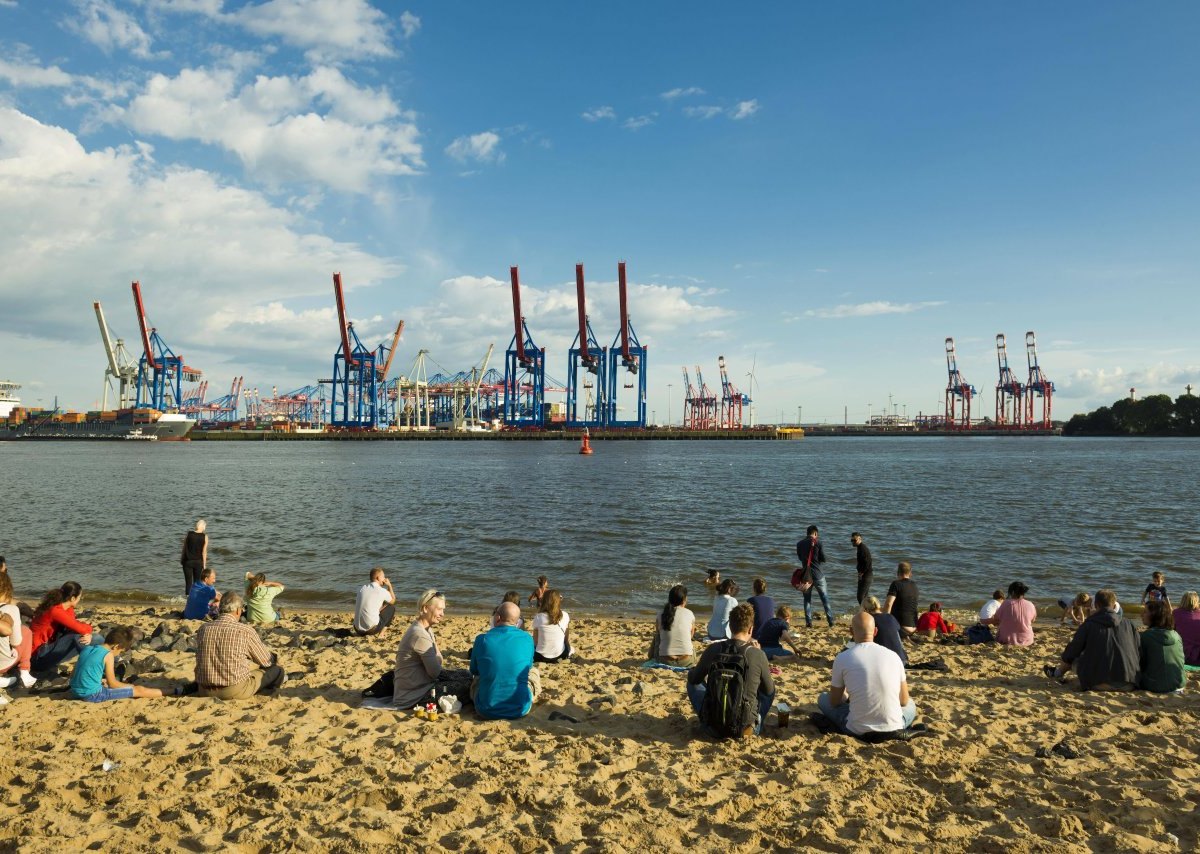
x=27 y=680
x=3 y=699
x=7 y=681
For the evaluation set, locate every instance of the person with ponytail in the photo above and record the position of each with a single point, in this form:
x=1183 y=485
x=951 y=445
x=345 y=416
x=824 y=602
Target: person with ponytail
x=673 y=630
x=57 y=635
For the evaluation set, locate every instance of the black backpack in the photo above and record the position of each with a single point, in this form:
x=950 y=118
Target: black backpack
x=725 y=712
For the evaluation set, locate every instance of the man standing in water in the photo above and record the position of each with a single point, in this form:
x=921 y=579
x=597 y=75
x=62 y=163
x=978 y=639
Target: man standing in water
x=865 y=567
x=812 y=558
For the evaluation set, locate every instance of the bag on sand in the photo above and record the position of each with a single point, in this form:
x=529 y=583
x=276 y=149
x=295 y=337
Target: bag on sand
x=979 y=634
x=725 y=711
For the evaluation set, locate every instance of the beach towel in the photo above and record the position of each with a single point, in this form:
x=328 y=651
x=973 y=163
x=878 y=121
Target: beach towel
x=658 y=665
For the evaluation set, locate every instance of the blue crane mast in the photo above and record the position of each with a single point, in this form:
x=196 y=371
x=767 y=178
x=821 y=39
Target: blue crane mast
x=161 y=373
x=354 y=403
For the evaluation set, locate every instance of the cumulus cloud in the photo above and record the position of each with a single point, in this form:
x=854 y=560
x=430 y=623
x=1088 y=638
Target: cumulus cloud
x=871 y=309
x=78 y=225
x=702 y=112
x=409 y=24
x=479 y=147
x=599 y=113
x=1106 y=385
x=341 y=28
x=321 y=127
x=109 y=28
x=672 y=94
x=638 y=122
x=744 y=109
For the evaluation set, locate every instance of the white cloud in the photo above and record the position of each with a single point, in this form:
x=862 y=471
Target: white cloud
x=702 y=112
x=213 y=260
x=480 y=147
x=682 y=93
x=109 y=28
x=599 y=113
x=1106 y=385
x=22 y=75
x=638 y=122
x=409 y=24
x=341 y=28
x=274 y=127
x=744 y=109
x=871 y=309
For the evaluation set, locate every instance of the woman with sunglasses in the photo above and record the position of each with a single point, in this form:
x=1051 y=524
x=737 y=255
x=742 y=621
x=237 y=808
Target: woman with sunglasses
x=420 y=676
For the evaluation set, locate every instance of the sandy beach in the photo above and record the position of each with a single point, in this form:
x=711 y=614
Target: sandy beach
x=311 y=770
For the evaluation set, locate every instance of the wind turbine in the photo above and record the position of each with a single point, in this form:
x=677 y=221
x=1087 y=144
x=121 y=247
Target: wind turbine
x=753 y=383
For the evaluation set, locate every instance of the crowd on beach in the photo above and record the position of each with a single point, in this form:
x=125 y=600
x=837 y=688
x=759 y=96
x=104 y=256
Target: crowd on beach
x=729 y=683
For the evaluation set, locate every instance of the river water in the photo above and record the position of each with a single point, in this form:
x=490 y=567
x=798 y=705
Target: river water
x=613 y=531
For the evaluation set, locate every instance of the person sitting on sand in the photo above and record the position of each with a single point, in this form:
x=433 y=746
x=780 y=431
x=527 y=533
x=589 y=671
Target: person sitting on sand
x=419 y=675
x=1187 y=624
x=56 y=635
x=511 y=596
x=887 y=629
x=714 y=579
x=868 y=690
x=1014 y=618
x=1077 y=610
x=260 y=598
x=763 y=605
x=551 y=630
x=232 y=662
x=757 y=687
x=932 y=623
x=95 y=679
x=718 y=624
x=504 y=681
x=1162 y=650
x=1105 y=652
x=543 y=584
x=991 y=606
x=776 y=633
x=673 y=630
x=16 y=640
x=202 y=602
x=902 y=598
x=375 y=605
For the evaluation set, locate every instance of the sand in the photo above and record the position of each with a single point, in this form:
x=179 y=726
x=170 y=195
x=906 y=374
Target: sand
x=311 y=770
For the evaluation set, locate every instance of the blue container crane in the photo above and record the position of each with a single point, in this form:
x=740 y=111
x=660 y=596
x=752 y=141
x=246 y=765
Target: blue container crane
x=587 y=369
x=161 y=373
x=626 y=366
x=354 y=403
x=524 y=371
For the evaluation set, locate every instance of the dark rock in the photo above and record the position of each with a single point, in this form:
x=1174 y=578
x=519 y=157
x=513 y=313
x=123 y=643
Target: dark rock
x=180 y=644
x=160 y=629
x=151 y=664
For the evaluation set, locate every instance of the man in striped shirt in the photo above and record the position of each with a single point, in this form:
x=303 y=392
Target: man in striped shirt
x=232 y=662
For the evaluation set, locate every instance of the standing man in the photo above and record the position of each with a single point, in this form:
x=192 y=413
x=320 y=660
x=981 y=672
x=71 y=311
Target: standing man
x=902 y=599
x=375 y=605
x=868 y=691
x=866 y=569
x=812 y=558
x=232 y=662
x=504 y=682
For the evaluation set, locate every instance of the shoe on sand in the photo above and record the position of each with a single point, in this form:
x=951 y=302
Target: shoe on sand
x=7 y=681
x=1052 y=672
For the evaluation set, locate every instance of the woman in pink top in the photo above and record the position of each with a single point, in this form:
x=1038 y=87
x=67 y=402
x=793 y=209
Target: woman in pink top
x=1014 y=619
x=1187 y=623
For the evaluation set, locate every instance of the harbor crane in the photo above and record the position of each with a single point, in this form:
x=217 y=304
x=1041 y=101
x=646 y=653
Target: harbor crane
x=121 y=368
x=1036 y=386
x=524 y=370
x=1010 y=394
x=587 y=369
x=691 y=407
x=388 y=390
x=354 y=403
x=706 y=404
x=732 y=401
x=629 y=358
x=958 y=393
x=161 y=373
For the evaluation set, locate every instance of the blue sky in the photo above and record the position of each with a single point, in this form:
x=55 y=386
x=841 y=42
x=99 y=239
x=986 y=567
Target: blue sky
x=821 y=191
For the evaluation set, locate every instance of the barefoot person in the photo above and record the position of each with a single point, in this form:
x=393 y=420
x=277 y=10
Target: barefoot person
x=868 y=690
x=95 y=679
x=194 y=556
x=375 y=605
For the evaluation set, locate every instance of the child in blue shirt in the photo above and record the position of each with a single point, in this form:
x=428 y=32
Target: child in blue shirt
x=94 y=680
x=203 y=599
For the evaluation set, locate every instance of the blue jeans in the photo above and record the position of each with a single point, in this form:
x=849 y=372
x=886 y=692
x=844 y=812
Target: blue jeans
x=48 y=656
x=773 y=652
x=840 y=714
x=819 y=586
x=696 y=695
x=106 y=694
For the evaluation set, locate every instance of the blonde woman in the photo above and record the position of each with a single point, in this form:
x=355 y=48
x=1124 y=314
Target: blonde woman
x=194 y=556
x=260 y=598
x=419 y=676
x=551 y=628
x=1079 y=610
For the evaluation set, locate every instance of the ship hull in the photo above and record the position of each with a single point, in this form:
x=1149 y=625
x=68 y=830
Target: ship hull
x=168 y=428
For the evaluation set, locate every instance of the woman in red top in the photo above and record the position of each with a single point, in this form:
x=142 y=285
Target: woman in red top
x=57 y=635
x=932 y=622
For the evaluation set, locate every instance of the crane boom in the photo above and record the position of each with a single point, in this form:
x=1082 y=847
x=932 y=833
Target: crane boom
x=142 y=325
x=584 y=355
x=113 y=368
x=625 y=354
x=517 y=318
x=387 y=365
x=341 y=307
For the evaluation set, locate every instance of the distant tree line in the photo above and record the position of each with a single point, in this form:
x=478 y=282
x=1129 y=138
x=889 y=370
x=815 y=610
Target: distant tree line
x=1155 y=415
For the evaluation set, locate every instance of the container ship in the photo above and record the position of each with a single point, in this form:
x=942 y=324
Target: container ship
x=17 y=422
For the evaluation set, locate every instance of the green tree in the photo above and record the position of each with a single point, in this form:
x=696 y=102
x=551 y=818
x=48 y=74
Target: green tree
x=1187 y=414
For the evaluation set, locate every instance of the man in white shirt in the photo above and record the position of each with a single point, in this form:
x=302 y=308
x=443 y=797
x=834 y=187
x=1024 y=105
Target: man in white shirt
x=868 y=691
x=375 y=607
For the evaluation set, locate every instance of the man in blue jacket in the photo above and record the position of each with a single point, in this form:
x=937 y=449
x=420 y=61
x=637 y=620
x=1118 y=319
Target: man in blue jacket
x=505 y=682
x=812 y=560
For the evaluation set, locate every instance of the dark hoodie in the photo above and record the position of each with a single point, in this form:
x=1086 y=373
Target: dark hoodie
x=1162 y=661
x=1105 y=650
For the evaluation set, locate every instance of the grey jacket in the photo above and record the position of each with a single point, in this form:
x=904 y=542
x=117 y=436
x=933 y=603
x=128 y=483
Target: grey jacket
x=1105 y=649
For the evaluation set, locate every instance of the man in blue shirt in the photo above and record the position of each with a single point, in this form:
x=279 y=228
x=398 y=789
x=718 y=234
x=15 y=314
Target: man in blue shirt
x=505 y=682
x=203 y=597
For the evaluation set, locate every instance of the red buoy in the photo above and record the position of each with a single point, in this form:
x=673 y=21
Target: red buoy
x=585 y=446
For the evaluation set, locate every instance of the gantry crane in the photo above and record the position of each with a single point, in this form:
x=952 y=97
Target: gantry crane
x=958 y=391
x=732 y=401
x=1009 y=391
x=1037 y=386
x=354 y=402
x=691 y=407
x=587 y=369
x=161 y=373
x=706 y=404
x=629 y=358
x=121 y=367
x=524 y=370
